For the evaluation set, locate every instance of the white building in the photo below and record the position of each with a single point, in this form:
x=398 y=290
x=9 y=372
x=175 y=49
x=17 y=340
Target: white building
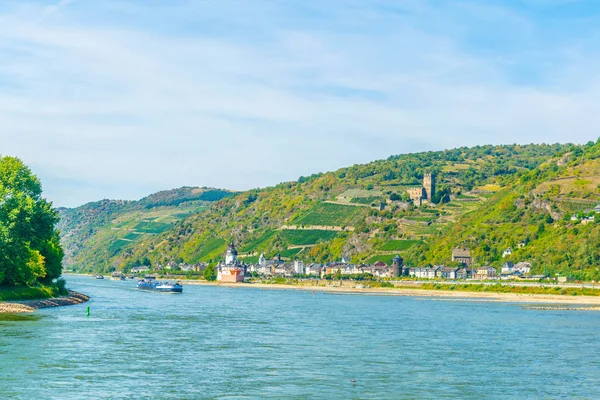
x=298 y=267
x=523 y=267
x=232 y=270
x=508 y=268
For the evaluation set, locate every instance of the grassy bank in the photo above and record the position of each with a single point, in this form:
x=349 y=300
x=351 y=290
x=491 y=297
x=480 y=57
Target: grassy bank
x=466 y=288
x=498 y=288
x=29 y=293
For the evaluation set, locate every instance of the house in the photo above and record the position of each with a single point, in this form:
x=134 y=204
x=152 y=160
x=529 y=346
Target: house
x=523 y=267
x=353 y=269
x=418 y=272
x=424 y=273
x=588 y=220
x=508 y=268
x=264 y=270
x=462 y=255
x=314 y=269
x=507 y=252
x=484 y=273
x=462 y=273
x=574 y=217
x=522 y=244
x=511 y=275
x=596 y=209
x=334 y=268
x=447 y=273
x=141 y=268
x=379 y=269
x=283 y=269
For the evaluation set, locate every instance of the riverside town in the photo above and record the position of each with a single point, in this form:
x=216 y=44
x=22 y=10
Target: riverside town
x=234 y=270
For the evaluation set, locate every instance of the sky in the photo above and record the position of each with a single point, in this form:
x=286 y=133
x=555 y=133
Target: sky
x=119 y=99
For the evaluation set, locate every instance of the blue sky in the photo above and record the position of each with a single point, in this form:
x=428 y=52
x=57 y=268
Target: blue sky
x=118 y=99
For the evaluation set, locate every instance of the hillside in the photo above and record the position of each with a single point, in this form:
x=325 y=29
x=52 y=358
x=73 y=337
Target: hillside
x=363 y=211
x=95 y=232
x=548 y=211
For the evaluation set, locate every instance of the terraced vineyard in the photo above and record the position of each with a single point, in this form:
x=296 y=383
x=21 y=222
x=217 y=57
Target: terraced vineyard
x=398 y=245
x=306 y=237
x=367 y=200
x=212 y=248
x=328 y=214
x=258 y=243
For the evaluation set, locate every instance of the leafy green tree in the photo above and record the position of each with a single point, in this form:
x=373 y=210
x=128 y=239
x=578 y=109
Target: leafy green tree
x=209 y=273
x=30 y=250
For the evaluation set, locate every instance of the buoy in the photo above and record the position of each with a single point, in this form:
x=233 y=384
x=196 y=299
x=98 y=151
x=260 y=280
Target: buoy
x=87 y=311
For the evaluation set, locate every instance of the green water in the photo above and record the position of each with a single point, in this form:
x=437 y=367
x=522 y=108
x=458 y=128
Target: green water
x=244 y=343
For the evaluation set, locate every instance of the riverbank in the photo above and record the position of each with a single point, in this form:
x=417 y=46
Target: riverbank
x=549 y=295
x=21 y=306
x=593 y=302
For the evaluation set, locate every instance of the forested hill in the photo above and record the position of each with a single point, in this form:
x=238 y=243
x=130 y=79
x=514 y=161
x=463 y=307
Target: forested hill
x=95 y=232
x=363 y=211
x=545 y=216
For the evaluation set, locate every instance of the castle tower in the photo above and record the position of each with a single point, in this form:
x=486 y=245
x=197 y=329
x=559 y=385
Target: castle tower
x=231 y=255
x=397 y=263
x=429 y=185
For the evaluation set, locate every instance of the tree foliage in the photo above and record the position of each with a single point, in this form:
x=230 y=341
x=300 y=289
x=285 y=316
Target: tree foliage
x=30 y=249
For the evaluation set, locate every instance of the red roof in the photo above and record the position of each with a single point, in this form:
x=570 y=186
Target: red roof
x=380 y=264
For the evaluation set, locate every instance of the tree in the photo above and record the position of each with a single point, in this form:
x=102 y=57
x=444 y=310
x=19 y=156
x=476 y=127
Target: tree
x=30 y=249
x=209 y=273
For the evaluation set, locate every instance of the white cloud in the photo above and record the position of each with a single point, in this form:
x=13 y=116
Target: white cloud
x=240 y=97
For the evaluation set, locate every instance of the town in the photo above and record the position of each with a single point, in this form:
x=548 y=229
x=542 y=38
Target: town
x=232 y=269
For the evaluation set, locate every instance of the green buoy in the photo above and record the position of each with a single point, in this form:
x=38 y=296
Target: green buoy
x=87 y=311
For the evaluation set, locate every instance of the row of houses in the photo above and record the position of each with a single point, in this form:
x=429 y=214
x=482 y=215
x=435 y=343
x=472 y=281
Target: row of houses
x=380 y=269
x=277 y=267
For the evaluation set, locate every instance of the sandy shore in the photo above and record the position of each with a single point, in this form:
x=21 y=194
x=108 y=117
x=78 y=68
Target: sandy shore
x=592 y=302
x=22 y=306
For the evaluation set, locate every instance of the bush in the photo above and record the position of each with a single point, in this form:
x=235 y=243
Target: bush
x=61 y=286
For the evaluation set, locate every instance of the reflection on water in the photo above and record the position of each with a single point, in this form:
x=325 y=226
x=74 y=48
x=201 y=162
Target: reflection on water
x=20 y=317
x=213 y=342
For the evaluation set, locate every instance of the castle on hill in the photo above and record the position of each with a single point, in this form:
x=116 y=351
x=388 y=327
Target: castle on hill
x=424 y=193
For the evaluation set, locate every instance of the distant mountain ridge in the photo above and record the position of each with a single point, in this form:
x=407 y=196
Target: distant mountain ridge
x=89 y=230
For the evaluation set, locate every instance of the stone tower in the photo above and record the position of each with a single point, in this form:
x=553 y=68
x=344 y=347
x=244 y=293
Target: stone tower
x=429 y=185
x=396 y=270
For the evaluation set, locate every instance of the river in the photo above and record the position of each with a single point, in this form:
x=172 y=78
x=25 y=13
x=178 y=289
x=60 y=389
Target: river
x=245 y=343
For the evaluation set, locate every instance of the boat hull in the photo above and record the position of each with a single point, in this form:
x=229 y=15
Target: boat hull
x=155 y=287
x=169 y=289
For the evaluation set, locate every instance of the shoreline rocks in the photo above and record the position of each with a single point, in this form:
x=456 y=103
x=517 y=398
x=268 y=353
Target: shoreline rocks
x=21 y=306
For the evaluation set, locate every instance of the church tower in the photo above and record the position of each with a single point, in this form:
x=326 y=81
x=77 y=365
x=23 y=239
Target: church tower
x=429 y=185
